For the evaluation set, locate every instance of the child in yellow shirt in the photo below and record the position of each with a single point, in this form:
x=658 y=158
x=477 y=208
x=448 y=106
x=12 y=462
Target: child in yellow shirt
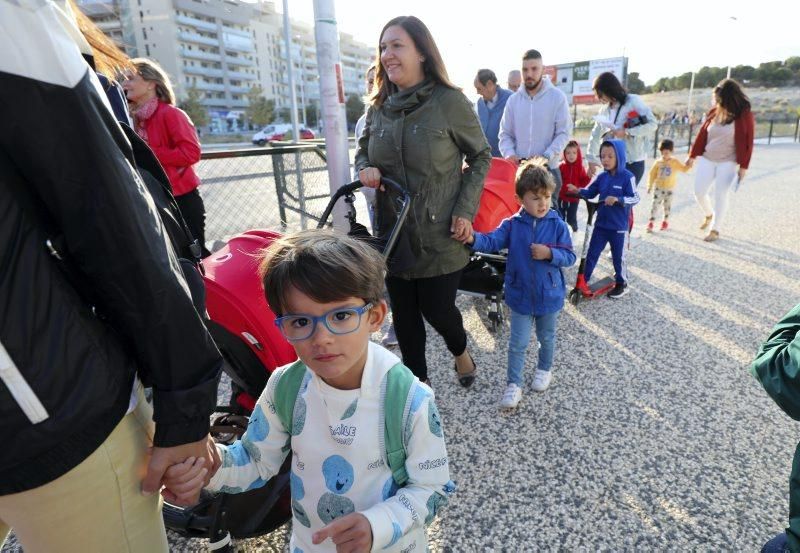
x=662 y=178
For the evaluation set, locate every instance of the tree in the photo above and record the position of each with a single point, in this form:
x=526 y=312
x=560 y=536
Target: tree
x=635 y=84
x=193 y=106
x=284 y=114
x=354 y=108
x=259 y=111
x=793 y=64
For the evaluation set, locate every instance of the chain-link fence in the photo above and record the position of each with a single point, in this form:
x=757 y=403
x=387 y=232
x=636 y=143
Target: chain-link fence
x=284 y=188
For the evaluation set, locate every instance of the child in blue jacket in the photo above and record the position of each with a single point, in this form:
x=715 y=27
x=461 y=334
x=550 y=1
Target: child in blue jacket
x=539 y=244
x=616 y=187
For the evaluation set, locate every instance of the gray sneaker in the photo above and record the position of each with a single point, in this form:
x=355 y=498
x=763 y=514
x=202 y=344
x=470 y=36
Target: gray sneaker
x=390 y=339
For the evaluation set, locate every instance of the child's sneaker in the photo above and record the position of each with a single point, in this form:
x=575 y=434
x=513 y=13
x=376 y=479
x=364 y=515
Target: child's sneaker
x=650 y=226
x=541 y=380
x=511 y=397
x=664 y=225
x=390 y=339
x=619 y=290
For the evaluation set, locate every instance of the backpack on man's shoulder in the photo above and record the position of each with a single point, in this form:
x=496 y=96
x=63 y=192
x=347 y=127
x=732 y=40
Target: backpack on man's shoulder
x=397 y=390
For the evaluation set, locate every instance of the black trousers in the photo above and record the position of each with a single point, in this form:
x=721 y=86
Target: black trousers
x=194 y=213
x=435 y=299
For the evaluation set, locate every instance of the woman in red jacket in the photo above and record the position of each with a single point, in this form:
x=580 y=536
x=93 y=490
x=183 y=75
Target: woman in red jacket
x=171 y=135
x=724 y=142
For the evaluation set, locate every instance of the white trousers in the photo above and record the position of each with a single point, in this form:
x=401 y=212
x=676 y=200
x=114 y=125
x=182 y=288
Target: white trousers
x=721 y=174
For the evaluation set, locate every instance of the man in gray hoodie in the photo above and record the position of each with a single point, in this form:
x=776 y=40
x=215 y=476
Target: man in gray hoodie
x=536 y=119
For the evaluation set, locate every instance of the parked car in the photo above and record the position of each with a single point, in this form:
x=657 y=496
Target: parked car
x=271 y=133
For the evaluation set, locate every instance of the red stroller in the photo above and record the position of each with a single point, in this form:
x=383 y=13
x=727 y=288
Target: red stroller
x=484 y=274
x=242 y=325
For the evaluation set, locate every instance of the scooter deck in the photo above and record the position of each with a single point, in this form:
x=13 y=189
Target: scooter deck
x=602 y=286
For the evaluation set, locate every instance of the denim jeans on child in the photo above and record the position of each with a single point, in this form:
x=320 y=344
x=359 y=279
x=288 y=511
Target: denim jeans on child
x=520 y=339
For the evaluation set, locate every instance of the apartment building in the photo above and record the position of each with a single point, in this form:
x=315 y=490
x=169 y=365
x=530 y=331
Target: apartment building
x=223 y=48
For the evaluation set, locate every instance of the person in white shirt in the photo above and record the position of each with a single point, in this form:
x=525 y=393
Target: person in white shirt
x=327 y=290
x=536 y=119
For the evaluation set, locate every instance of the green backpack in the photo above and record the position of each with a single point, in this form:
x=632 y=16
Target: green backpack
x=398 y=388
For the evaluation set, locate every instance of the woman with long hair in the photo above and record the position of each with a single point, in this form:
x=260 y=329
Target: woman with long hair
x=420 y=131
x=724 y=146
x=171 y=135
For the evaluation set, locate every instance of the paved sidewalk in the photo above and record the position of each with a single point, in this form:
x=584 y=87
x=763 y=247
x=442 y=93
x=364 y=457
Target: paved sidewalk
x=653 y=436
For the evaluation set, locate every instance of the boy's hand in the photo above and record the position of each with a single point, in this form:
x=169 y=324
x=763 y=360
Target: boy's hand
x=611 y=200
x=572 y=188
x=183 y=482
x=541 y=252
x=350 y=533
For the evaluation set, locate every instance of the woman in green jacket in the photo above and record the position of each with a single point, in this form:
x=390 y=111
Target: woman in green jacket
x=420 y=130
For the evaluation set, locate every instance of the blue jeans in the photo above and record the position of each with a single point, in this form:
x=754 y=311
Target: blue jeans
x=520 y=339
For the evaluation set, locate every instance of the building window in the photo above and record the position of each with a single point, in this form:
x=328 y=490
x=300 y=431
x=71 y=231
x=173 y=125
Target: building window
x=147 y=50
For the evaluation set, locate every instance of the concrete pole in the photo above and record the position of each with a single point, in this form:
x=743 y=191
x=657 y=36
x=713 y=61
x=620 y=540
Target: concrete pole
x=691 y=91
x=331 y=90
x=287 y=35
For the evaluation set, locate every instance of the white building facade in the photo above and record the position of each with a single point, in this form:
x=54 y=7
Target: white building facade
x=224 y=48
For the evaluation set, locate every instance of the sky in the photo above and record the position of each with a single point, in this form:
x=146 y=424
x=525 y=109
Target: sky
x=661 y=39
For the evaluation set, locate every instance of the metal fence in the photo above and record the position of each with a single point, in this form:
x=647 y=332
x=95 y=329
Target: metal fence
x=767 y=132
x=284 y=187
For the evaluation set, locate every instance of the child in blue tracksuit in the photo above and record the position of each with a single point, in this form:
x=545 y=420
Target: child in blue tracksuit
x=539 y=244
x=616 y=187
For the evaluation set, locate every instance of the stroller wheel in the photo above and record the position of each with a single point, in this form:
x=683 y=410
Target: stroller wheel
x=575 y=296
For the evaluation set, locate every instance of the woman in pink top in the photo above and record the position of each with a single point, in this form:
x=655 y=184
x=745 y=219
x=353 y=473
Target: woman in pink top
x=724 y=145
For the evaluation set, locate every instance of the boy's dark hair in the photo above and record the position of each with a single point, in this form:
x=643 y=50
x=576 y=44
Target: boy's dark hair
x=323 y=265
x=486 y=75
x=531 y=55
x=607 y=144
x=533 y=176
x=666 y=144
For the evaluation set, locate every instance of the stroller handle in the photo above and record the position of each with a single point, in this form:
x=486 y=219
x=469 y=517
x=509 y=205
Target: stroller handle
x=350 y=188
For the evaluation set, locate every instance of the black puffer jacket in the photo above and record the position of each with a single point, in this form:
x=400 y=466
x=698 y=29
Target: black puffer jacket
x=67 y=175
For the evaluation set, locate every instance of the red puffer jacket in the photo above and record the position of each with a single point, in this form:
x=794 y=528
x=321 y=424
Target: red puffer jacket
x=172 y=137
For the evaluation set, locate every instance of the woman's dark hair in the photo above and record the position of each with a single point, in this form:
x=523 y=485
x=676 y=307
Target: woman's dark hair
x=609 y=86
x=730 y=99
x=432 y=66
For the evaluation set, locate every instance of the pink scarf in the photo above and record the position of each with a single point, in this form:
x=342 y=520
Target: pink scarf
x=142 y=114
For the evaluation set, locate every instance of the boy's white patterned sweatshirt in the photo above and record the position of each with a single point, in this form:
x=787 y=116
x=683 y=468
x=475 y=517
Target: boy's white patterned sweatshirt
x=339 y=463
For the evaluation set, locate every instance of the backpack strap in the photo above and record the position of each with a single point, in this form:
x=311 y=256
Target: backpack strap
x=398 y=388
x=286 y=391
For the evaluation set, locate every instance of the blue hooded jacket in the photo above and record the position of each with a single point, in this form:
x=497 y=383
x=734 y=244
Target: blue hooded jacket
x=621 y=184
x=532 y=287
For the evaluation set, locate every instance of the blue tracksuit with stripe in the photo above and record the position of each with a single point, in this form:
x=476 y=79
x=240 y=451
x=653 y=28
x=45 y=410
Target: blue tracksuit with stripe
x=611 y=225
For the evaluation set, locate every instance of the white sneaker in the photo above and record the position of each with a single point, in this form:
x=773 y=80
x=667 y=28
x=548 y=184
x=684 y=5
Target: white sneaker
x=511 y=397
x=541 y=380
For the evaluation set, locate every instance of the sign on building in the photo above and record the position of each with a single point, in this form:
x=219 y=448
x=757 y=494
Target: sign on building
x=575 y=79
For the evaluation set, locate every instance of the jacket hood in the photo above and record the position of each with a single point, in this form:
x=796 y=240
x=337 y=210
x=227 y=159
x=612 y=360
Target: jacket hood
x=578 y=160
x=524 y=215
x=619 y=148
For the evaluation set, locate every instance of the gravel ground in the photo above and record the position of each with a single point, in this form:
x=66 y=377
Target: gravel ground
x=653 y=435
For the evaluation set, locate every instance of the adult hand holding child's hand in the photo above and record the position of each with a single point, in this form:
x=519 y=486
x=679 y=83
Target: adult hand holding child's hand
x=351 y=534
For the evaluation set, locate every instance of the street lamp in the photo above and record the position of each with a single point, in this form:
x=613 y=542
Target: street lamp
x=302 y=76
x=733 y=19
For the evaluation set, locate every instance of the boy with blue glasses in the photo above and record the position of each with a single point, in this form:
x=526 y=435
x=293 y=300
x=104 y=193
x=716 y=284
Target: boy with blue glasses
x=337 y=421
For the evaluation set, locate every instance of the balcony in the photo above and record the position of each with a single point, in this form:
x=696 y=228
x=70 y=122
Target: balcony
x=244 y=62
x=241 y=75
x=209 y=86
x=197 y=23
x=199 y=39
x=197 y=54
x=237 y=103
x=214 y=102
x=239 y=89
x=227 y=29
x=207 y=71
x=238 y=46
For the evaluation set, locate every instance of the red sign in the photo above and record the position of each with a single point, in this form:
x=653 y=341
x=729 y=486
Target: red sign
x=551 y=71
x=339 y=83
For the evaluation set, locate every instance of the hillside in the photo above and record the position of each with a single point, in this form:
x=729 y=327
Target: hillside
x=768 y=103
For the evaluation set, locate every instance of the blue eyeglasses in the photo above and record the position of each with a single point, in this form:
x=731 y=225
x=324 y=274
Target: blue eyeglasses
x=342 y=320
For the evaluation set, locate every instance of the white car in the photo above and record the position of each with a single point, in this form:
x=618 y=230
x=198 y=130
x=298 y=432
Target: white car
x=277 y=132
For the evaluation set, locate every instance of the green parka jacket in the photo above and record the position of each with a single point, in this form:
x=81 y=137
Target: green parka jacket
x=777 y=368
x=420 y=138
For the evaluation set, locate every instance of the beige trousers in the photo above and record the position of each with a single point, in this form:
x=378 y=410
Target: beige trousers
x=97 y=506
